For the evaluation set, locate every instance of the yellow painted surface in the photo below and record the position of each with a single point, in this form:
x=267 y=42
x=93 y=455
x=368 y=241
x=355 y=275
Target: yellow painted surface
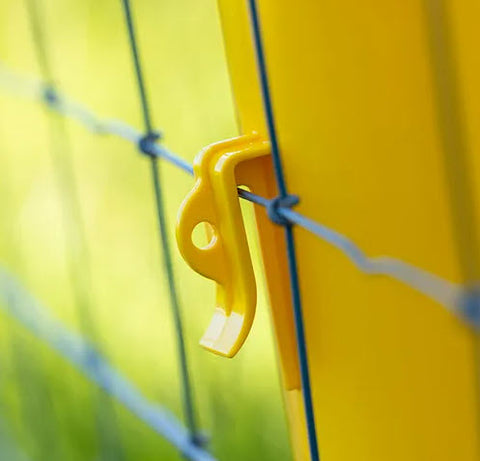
x=382 y=150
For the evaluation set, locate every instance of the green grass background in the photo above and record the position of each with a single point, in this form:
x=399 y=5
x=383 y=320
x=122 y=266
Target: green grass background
x=48 y=411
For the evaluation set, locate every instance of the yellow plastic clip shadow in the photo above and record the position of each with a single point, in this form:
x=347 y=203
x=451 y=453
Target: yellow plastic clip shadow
x=218 y=170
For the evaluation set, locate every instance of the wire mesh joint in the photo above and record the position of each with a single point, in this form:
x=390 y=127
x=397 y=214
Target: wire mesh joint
x=470 y=307
x=200 y=439
x=50 y=96
x=273 y=208
x=147 y=143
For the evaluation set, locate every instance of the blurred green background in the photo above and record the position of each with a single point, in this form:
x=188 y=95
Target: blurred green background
x=49 y=411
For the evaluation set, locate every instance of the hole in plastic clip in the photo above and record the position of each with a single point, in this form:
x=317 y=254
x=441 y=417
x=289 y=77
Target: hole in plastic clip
x=204 y=235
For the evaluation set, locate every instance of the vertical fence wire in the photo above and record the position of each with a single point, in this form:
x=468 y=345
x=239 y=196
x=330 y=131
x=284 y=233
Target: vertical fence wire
x=146 y=146
x=78 y=260
x=453 y=142
x=17 y=301
x=289 y=237
x=34 y=396
x=460 y=183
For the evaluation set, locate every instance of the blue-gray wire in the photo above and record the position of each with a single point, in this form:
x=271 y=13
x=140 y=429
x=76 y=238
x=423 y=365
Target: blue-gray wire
x=449 y=294
x=284 y=198
x=23 y=307
x=147 y=145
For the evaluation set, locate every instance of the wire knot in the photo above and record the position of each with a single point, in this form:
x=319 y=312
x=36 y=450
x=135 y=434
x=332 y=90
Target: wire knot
x=470 y=307
x=147 y=143
x=275 y=204
x=199 y=439
x=50 y=96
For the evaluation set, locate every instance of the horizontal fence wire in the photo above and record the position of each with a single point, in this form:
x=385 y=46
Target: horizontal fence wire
x=17 y=301
x=452 y=296
x=456 y=298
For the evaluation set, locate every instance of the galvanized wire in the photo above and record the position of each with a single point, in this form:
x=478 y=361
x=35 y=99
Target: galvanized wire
x=450 y=295
x=454 y=297
x=17 y=301
x=147 y=146
x=285 y=198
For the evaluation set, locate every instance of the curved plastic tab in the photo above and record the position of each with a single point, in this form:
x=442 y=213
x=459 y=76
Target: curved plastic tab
x=219 y=169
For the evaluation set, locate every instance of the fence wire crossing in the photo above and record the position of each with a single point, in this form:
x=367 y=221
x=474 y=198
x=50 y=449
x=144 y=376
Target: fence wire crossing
x=287 y=200
x=80 y=352
x=450 y=295
x=144 y=144
x=458 y=299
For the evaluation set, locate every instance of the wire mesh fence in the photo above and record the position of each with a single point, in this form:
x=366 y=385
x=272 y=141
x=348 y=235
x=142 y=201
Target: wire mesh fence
x=461 y=301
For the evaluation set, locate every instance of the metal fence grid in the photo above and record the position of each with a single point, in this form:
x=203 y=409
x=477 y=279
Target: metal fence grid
x=460 y=300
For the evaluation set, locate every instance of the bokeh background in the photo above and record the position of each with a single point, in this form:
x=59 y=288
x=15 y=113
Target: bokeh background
x=48 y=410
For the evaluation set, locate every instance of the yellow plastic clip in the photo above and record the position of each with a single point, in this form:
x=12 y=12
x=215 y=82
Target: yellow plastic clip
x=219 y=169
